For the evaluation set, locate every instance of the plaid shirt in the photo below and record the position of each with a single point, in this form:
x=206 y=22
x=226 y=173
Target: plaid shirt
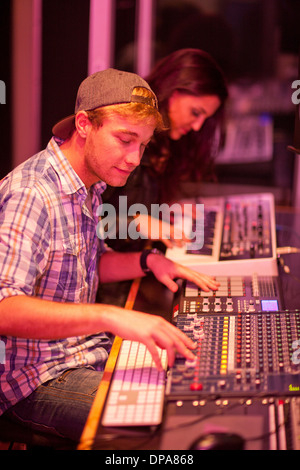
x=48 y=249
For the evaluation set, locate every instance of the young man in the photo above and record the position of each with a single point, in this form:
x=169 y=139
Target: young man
x=51 y=259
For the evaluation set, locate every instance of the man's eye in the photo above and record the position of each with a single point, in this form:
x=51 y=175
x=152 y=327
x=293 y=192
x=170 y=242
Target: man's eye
x=124 y=141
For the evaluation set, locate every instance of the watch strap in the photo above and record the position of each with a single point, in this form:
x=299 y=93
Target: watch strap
x=144 y=256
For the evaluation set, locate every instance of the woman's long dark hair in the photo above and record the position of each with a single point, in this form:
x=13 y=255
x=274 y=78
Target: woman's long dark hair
x=195 y=72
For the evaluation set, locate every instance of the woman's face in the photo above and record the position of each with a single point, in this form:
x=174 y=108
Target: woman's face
x=189 y=112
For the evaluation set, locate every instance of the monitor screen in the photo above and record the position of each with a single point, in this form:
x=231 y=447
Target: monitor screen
x=269 y=305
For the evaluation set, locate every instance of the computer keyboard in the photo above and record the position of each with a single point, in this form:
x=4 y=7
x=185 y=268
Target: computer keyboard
x=137 y=390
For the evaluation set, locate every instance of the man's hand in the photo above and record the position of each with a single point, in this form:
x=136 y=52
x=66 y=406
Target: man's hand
x=166 y=271
x=153 y=331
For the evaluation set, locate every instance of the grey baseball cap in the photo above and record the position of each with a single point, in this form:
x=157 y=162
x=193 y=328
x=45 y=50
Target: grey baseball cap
x=104 y=88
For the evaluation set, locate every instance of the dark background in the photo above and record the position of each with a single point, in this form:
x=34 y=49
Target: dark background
x=244 y=36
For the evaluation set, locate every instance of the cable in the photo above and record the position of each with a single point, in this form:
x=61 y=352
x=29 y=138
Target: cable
x=286 y=269
x=286 y=250
x=284 y=266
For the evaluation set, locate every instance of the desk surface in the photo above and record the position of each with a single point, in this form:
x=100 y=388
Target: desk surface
x=150 y=296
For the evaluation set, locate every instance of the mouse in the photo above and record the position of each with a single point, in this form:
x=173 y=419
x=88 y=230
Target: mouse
x=218 y=441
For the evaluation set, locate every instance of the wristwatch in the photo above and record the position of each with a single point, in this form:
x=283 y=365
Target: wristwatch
x=144 y=256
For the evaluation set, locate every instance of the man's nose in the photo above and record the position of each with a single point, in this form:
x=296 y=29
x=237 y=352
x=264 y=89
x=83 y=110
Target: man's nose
x=133 y=158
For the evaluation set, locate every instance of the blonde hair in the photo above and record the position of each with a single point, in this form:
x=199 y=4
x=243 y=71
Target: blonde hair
x=137 y=111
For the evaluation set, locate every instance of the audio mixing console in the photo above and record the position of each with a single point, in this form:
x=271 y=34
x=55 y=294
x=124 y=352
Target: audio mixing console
x=239 y=355
x=245 y=375
x=244 y=379
x=246 y=229
x=238 y=232
x=234 y=294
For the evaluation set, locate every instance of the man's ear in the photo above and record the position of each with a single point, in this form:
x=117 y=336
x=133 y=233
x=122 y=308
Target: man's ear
x=82 y=123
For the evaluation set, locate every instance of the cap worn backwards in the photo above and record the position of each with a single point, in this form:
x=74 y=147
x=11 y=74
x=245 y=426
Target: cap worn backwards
x=104 y=88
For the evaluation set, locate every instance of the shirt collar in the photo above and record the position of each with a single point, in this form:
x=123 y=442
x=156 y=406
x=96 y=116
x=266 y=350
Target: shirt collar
x=70 y=181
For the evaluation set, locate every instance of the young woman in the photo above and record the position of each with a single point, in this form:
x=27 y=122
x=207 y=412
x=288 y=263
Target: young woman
x=191 y=91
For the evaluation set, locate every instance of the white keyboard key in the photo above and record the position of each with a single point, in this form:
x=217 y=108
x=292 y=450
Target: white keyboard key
x=137 y=389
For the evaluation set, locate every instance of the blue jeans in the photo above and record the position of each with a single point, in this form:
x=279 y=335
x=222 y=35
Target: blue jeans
x=60 y=406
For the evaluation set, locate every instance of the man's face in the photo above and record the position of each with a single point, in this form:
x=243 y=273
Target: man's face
x=114 y=150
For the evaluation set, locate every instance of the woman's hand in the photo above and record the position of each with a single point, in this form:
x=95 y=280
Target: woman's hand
x=155 y=229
